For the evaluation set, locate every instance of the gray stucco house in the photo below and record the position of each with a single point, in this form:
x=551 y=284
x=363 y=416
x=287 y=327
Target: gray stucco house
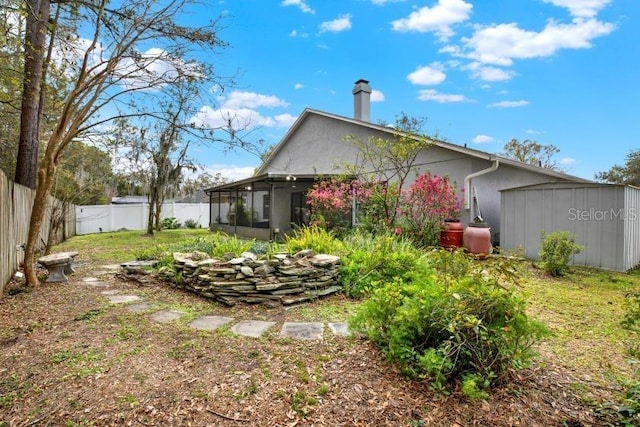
x=274 y=199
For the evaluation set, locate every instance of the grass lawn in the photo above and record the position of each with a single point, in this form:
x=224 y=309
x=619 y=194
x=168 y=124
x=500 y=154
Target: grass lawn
x=122 y=246
x=68 y=357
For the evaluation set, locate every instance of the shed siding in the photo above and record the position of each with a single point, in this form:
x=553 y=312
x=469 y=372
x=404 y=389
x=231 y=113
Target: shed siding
x=632 y=227
x=592 y=212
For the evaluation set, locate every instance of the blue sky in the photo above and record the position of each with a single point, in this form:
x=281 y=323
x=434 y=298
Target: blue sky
x=562 y=72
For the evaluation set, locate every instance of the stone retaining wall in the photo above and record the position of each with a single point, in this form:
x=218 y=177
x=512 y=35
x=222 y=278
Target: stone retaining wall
x=280 y=279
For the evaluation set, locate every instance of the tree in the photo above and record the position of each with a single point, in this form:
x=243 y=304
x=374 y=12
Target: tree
x=201 y=181
x=533 y=153
x=11 y=39
x=110 y=68
x=385 y=164
x=629 y=174
x=84 y=175
x=38 y=12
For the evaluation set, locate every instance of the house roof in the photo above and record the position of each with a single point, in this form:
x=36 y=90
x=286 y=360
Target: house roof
x=265 y=177
x=395 y=132
x=129 y=200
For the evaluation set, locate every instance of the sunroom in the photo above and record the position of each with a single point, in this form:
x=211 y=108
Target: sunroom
x=264 y=207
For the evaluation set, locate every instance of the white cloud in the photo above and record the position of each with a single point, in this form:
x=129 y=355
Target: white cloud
x=298 y=86
x=284 y=120
x=295 y=33
x=427 y=75
x=240 y=111
x=501 y=44
x=482 y=139
x=489 y=74
x=342 y=23
x=239 y=99
x=581 y=8
x=383 y=2
x=442 y=98
x=437 y=19
x=532 y=132
x=377 y=96
x=301 y=4
x=567 y=161
x=231 y=172
x=509 y=104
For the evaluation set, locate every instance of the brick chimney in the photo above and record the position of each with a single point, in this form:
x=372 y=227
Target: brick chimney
x=361 y=100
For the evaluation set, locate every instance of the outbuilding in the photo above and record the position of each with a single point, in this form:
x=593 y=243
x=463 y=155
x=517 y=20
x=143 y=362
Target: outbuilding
x=605 y=218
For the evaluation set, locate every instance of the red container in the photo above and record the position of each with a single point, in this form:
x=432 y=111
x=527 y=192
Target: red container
x=451 y=234
x=477 y=239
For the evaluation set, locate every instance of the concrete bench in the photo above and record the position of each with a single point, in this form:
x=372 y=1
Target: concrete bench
x=58 y=265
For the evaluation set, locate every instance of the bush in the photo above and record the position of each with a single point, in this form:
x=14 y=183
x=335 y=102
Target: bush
x=218 y=245
x=627 y=411
x=372 y=260
x=191 y=223
x=425 y=205
x=557 y=249
x=316 y=238
x=475 y=331
x=169 y=223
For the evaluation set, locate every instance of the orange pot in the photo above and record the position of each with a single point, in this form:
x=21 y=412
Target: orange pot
x=451 y=234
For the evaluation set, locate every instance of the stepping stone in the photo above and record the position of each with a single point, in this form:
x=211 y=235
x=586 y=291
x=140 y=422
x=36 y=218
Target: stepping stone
x=302 y=330
x=94 y=281
x=210 y=323
x=165 y=316
x=110 y=292
x=111 y=267
x=138 y=308
x=97 y=284
x=103 y=272
x=123 y=299
x=251 y=328
x=340 y=328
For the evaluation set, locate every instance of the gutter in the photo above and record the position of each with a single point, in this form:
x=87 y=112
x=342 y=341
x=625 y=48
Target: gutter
x=468 y=178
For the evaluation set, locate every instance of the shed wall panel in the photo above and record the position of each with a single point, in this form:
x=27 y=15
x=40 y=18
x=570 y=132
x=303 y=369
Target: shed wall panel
x=591 y=212
x=631 y=213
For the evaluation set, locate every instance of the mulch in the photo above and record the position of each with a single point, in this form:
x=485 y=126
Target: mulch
x=68 y=358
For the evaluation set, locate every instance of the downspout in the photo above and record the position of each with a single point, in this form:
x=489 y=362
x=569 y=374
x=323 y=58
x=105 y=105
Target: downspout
x=468 y=178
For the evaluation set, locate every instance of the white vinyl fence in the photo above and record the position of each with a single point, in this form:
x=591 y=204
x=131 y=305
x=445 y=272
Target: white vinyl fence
x=103 y=218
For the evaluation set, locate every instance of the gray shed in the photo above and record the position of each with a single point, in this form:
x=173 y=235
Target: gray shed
x=604 y=217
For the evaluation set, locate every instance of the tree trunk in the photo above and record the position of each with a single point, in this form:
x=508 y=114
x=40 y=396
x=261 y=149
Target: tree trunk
x=45 y=183
x=151 y=215
x=158 y=212
x=35 y=40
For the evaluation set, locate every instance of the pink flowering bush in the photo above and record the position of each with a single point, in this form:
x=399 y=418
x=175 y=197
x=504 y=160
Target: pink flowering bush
x=426 y=204
x=418 y=211
x=331 y=201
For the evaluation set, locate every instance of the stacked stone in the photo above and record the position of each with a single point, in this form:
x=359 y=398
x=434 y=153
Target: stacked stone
x=280 y=279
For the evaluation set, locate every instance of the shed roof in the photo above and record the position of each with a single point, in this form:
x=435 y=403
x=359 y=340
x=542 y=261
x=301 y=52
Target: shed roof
x=563 y=184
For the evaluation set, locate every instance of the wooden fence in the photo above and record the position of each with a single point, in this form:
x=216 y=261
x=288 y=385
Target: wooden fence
x=16 y=202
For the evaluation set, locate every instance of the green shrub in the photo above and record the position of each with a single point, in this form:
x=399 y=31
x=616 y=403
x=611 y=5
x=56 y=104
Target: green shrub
x=191 y=223
x=170 y=223
x=217 y=245
x=225 y=246
x=556 y=251
x=474 y=327
x=372 y=260
x=316 y=238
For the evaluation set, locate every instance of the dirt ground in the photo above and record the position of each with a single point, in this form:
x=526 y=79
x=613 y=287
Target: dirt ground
x=69 y=358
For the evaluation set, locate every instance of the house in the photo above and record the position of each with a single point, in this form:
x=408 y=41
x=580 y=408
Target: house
x=273 y=201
